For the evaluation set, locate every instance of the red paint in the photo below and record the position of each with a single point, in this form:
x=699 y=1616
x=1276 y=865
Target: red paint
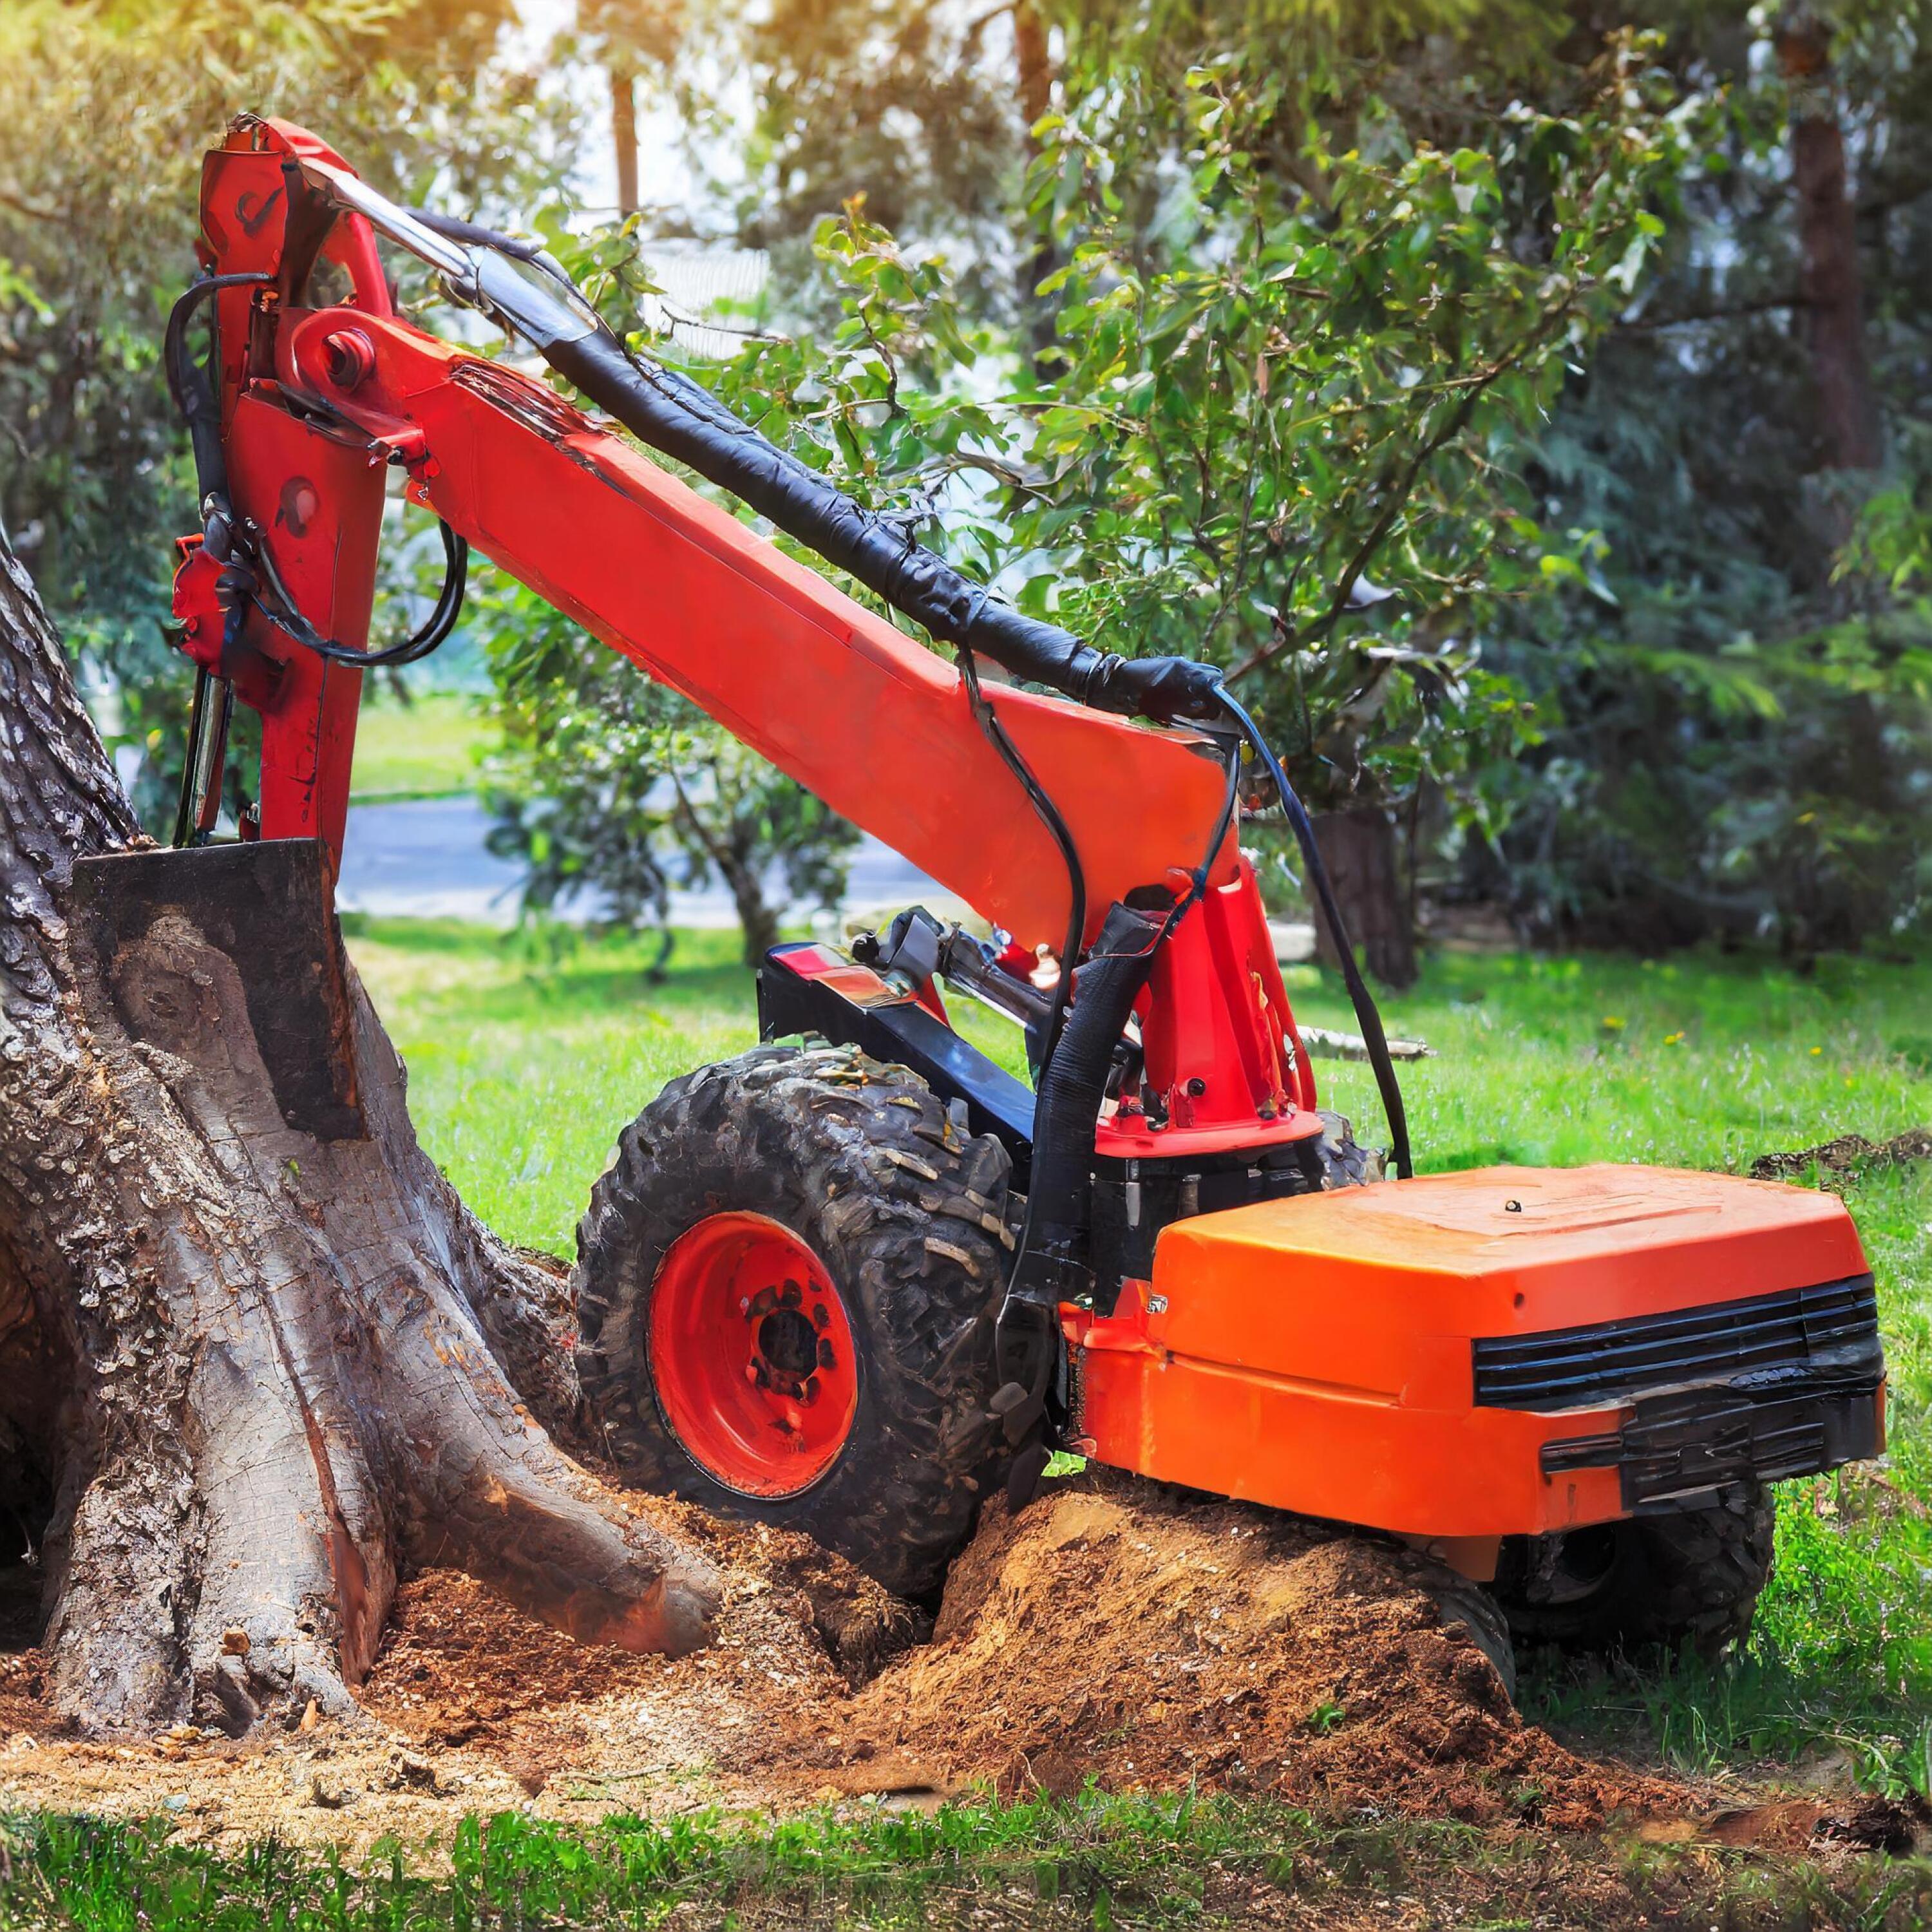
x=871 y=721
x=751 y=1354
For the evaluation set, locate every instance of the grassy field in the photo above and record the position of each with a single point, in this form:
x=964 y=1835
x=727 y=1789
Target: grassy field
x=526 y=1058
x=525 y=1062
x=1095 y=1861
x=427 y=748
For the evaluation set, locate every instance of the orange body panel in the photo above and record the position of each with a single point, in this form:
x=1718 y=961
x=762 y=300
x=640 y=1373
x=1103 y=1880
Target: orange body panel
x=1314 y=1353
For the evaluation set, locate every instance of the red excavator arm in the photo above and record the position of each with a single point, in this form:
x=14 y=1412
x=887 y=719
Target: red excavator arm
x=314 y=401
x=1577 y=1383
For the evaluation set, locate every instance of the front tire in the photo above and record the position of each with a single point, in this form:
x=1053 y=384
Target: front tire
x=848 y=1395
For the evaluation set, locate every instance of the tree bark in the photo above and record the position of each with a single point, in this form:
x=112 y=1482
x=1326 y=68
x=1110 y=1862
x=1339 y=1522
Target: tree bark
x=1831 y=280
x=757 y=917
x=1033 y=63
x=275 y=1355
x=1359 y=848
x=624 y=132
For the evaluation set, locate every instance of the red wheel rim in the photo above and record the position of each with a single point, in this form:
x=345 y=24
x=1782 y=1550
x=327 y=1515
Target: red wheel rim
x=751 y=1354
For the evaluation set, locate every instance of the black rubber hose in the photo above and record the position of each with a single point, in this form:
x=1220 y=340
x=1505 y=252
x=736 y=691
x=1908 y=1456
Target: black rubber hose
x=1051 y=1265
x=192 y=388
x=1367 y=1016
x=682 y=419
x=1049 y=814
x=279 y=607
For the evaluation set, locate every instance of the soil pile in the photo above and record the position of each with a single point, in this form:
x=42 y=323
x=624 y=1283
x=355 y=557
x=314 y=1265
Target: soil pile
x=1114 y=1630
x=460 y=1667
x=23 y=1685
x=1150 y=1638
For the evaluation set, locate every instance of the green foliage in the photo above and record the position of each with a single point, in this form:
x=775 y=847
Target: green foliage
x=1738 y=717
x=1277 y=381
x=611 y=787
x=105 y=111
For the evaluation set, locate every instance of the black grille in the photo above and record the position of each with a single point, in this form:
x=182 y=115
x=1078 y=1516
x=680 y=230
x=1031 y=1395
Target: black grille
x=1803 y=1338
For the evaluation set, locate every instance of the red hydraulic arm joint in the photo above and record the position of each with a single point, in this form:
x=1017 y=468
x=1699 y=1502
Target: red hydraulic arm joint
x=317 y=400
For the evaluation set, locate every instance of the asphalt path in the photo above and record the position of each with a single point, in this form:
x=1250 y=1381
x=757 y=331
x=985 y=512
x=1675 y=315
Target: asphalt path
x=427 y=860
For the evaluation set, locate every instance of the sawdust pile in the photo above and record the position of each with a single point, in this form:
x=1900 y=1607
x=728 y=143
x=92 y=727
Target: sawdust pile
x=23 y=1686
x=1117 y=1631
x=460 y=1667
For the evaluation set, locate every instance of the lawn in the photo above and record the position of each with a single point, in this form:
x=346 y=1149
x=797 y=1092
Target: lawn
x=527 y=1057
x=427 y=748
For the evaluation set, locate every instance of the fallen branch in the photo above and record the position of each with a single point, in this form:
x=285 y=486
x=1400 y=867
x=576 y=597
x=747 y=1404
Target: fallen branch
x=1323 y=1043
x=1848 y=1159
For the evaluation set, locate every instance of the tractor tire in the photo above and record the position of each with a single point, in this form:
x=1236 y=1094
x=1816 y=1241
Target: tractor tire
x=786 y=1289
x=1691 y=1577
x=1345 y=1163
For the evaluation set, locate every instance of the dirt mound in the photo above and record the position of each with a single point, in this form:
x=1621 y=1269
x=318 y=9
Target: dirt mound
x=23 y=1691
x=459 y=1666
x=1149 y=1639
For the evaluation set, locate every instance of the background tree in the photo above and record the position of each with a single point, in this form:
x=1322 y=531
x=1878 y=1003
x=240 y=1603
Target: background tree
x=1256 y=387
x=1736 y=734
x=104 y=114
x=611 y=788
x=1728 y=699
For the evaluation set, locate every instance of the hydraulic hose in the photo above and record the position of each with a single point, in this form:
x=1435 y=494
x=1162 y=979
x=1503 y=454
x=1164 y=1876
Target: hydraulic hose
x=1051 y=1266
x=682 y=419
x=1367 y=1015
x=192 y=387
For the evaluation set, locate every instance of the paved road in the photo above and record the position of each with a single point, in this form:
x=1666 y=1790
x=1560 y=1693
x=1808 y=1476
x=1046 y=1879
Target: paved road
x=427 y=858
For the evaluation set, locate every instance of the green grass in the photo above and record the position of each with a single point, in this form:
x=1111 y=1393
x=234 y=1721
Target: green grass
x=525 y=1063
x=427 y=748
x=1092 y=1861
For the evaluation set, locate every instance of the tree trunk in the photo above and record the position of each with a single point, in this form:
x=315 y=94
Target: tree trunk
x=1033 y=63
x=1830 y=278
x=265 y=1358
x=1358 y=846
x=757 y=918
x=624 y=133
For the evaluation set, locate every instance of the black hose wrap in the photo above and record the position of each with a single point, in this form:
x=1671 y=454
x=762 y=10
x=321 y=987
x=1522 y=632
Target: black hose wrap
x=670 y=413
x=1051 y=1267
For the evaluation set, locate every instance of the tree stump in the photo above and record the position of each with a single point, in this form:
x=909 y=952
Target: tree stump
x=252 y=1354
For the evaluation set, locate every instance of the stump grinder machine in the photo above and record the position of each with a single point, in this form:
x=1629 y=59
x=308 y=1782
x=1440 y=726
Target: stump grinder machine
x=859 y=1277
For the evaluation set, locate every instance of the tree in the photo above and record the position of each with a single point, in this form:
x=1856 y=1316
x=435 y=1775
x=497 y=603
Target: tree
x=1288 y=377
x=1735 y=699
x=1830 y=286
x=105 y=111
x=608 y=784
x=274 y=1340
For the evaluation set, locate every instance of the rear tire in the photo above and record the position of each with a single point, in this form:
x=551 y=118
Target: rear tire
x=1694 y=1576
x=904 y=1214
